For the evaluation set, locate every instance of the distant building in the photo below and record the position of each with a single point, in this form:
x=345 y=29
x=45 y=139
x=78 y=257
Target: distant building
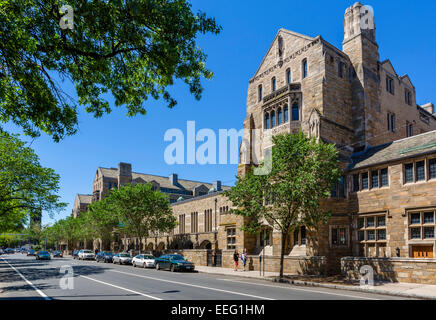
x=177 y=189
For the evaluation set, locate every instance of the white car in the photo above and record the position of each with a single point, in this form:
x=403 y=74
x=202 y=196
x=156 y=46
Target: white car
x=86 y=255
x=143 y=260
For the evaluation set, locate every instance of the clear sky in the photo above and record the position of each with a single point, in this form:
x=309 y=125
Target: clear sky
x=405 y=34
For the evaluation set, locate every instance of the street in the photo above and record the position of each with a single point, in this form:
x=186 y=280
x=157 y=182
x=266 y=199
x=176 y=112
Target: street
x=23 y=277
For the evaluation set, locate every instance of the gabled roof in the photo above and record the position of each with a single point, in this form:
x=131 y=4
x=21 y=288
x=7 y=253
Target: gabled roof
x=288 y=32
x=424 y=143
x=387 y=64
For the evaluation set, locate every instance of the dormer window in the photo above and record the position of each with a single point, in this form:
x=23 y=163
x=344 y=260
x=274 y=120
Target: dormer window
x=408 y=96
x=390 y=85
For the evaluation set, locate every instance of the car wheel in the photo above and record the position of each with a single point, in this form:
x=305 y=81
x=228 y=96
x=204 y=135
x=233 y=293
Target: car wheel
x=157 y=266
x=134 y=265
x=172 y=268
x=144 y=265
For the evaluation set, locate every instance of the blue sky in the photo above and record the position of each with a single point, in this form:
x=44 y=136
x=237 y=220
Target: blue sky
x=405 y=34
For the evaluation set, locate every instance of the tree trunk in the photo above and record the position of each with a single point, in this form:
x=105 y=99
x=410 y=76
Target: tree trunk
x=282 y=253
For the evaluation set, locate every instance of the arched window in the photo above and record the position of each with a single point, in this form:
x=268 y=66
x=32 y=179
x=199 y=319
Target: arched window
x=273 y=84
x=266 y=121
x=273 y=119
x=279 y=116
x=288 y=76
x=286 y=111
x=304 y=68
x=259 y=92
x=295 y=112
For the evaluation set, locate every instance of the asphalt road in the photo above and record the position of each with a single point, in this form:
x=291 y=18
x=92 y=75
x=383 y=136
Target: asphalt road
x=23 y=277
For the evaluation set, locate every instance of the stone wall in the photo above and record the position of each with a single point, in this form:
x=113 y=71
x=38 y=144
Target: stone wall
x=197 y=256
x=291 y=265
x=392 y=269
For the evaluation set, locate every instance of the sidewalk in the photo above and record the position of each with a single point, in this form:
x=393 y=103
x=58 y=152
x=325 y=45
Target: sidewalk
x=408 y=290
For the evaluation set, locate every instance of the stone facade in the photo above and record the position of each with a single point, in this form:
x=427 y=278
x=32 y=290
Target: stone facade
x=393 y=269
x=347 y=97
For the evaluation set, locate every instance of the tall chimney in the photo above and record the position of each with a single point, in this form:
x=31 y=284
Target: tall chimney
x=174 y=179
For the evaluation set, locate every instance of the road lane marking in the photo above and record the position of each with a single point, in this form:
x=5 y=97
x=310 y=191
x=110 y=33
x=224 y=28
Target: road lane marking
x=118 y=287
x=42 y=294
x=301 y=289
x=196 y=286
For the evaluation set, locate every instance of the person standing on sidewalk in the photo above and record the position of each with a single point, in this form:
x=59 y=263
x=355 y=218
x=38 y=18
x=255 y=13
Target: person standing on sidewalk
x=244 y=258
x=236 y=259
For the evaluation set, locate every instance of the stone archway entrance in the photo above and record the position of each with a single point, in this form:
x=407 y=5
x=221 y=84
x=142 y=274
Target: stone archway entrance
x=150 y=246
x=206 y=244
x=161 y=246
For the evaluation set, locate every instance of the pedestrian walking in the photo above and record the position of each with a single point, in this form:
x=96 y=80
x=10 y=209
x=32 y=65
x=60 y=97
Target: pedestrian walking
x=244 y=258
x=236 y=259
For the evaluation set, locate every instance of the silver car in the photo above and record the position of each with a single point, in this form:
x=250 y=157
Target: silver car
x=122 y=258
x=86 y=255
x=143 y=260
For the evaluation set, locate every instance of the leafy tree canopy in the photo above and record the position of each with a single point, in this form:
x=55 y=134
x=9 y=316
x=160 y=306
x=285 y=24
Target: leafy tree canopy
x=135 y=49
x=25 y=186
x=141 y=210
x=303 y=172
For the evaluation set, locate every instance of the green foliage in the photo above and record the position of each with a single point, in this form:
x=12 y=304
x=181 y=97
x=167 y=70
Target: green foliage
x=142 y=211
x=138 y=208
x=100 y=220
x=302 y=174
x=134 y=49
x=26 y=187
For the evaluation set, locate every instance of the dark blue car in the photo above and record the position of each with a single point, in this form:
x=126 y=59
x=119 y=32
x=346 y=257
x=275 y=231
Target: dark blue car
x=173 y=262
x=43 y=255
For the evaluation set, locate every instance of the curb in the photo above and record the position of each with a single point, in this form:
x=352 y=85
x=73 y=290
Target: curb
x=334 y=286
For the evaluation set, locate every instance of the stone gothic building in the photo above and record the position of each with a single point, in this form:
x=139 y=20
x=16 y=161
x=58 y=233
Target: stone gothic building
x=387 y=148
x=384 y=206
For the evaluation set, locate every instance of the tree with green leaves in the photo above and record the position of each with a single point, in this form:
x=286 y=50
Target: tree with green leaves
x=302 y=174
x=26 y=187
x=133 y=49
x=141 y=210
x=101 y=221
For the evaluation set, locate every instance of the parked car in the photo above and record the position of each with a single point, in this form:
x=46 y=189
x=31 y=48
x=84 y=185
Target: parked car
x=1 y=251
x=31 y=252
x=57 y=254
x=43 y=255
x=144 y=260
x=122 y=258
x=9 y=250
x=86 y=255
x=173 y=262
x=104 y=256
x=76 y=254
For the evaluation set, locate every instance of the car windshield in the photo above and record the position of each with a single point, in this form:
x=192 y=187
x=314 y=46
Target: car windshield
x=148 y=257
x=108 y=254
x=177 y=257
x=124 y=255
x=87 y=251
x=43 y=252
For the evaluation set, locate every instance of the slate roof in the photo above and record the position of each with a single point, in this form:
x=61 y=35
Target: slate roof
x=84 y=198
x=424 y=143
x=164 y=182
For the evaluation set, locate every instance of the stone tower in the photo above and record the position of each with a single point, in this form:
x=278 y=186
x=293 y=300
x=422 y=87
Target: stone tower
x=361 y=47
